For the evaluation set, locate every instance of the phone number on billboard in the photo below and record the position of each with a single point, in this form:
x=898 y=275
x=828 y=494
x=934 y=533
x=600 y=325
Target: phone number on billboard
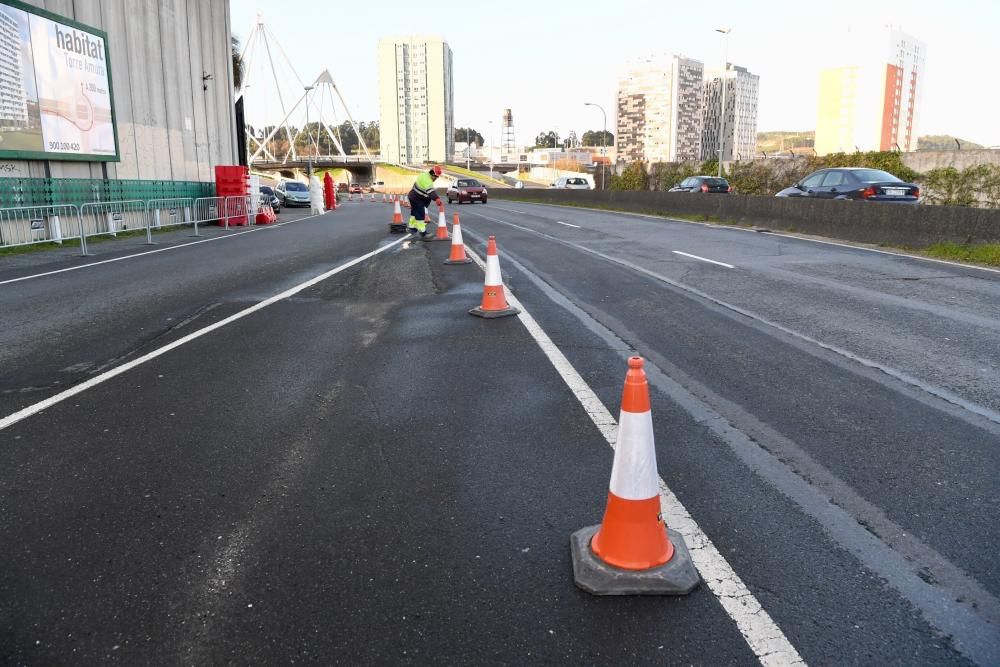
x=63 y=146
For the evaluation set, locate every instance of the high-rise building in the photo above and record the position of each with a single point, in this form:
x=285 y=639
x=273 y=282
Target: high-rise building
x=873 y=102
x=658 y=113
x=739 y=125
x=416 y=102
x=13 y=98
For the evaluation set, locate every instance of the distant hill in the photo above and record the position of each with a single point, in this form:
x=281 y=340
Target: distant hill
x=773 y=142
x=943 y=142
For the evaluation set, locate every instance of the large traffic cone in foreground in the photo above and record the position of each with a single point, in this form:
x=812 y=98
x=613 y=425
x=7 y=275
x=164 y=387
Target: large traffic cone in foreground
x=494 y=302
x=397 y=226
x=633 y=552
x=441 y=233
x=458 y=255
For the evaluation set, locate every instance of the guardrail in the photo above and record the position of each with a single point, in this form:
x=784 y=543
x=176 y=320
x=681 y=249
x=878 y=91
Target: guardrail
x=27 y=225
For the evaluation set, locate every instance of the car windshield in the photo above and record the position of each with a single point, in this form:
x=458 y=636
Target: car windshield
x=293 y=186
x=874 y=175
x=716 y=181
x=468 y=184
x=576 y=181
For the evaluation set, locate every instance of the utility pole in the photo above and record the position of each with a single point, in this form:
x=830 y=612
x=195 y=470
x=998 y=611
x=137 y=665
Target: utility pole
x=309 y=161
x=604 y=141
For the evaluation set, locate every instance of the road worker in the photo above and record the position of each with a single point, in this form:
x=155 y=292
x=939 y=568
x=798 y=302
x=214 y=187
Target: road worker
x=421 y=195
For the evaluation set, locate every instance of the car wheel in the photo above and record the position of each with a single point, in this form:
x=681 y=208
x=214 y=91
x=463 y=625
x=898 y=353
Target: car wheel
x=450 y=200
x=483 y=200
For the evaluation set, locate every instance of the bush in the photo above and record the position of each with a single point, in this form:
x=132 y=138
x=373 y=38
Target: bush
x=633 y=178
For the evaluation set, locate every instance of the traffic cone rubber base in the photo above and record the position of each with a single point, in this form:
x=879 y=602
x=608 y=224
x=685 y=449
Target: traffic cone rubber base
x=677 y=576
x=457 y=261
x=397 y=227
x=491 y=314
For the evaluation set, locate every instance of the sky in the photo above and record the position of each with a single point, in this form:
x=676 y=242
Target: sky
x=545 y=59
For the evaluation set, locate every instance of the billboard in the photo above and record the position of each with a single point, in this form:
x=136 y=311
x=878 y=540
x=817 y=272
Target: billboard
x=55 y=81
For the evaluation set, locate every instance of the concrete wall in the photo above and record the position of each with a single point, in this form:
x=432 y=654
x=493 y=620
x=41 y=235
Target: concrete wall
x=172 y=125
x=924 y=161
x=889 y=224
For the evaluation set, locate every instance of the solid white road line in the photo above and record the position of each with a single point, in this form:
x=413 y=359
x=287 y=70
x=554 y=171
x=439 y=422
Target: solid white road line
x=761 y=633
x=560 y=222
x=24 y=413
x=255 y=228
x=703 y=259
x=786 y=235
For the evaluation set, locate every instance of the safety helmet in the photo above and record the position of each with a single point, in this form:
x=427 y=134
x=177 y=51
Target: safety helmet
x=436 y=169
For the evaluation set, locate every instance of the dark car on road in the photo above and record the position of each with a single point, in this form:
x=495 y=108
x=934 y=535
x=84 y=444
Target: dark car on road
x=854 y=183
x=703 y=185
x=268 y=192
x=292 y=193
x=466 y=190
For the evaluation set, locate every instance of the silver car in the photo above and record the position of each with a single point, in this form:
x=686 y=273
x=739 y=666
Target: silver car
x=292 y=193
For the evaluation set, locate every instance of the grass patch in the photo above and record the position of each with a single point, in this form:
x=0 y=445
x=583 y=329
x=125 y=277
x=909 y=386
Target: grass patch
x=393 y=169
x=473 y=174
x=978 y=253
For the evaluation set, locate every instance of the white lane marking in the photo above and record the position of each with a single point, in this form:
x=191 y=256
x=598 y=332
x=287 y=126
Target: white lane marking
x=560 y=222
x=939 y=392
x=31 y=410
x=256 y=228
x=703 y=259
x=785 y=235
x=761 y=633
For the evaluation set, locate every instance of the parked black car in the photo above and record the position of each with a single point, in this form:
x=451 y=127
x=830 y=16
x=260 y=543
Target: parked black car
x=703 y=184
x=854 y=183
x=272 y=198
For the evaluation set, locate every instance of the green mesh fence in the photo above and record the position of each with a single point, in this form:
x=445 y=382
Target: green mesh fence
x=57 y=191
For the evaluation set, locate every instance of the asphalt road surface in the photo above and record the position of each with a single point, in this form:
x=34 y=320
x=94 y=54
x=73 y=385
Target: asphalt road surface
x=292 y=444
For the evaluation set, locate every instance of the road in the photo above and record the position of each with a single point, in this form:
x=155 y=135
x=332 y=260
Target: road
x=294 y=444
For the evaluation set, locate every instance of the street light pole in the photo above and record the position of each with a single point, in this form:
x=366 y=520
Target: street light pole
x=604 y=141
x=722 y=114
x=309 y=162
x=492 y=147
x=468 y=150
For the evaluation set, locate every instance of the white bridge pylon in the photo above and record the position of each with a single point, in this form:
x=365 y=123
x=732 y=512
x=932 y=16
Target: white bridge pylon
x=316 y=103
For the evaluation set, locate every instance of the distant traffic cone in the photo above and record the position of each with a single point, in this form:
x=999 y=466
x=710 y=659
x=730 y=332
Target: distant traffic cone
x=397 y=226
x=350 y=196
x=441 y=234
x=385 y=198
x=458 y=255
x=494 y=303
x=633 y=552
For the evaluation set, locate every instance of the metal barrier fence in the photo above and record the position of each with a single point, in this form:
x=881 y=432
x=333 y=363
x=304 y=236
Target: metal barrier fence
x=162 y=213
x=25 y=225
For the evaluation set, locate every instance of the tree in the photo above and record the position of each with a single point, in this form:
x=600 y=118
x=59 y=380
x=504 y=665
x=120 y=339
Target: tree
x=548 y=139
x=593 y=138
x=237 y=62
x=464 y=134
x=633 y=178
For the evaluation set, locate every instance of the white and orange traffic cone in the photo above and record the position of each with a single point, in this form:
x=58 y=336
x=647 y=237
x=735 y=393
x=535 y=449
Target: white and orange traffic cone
x=494 y=303
x=633 y=552
x=397 y=226
x=385 y=198
x=441 y=233
x=457 y=255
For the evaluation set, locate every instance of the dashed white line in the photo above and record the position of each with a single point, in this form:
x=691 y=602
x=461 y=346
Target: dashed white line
x=560 y=222
x=31 y=410
x=761 y=633
x=703 y=259
x=153 y=252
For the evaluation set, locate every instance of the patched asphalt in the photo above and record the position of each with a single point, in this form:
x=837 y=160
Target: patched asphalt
x=365 y=473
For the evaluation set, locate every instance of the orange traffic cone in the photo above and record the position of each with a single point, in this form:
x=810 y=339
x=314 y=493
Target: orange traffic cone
x=494 y=302
x=441 y=234
x=385 y=198
x=633 y=552
x=397 y=226
x=458 y=255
